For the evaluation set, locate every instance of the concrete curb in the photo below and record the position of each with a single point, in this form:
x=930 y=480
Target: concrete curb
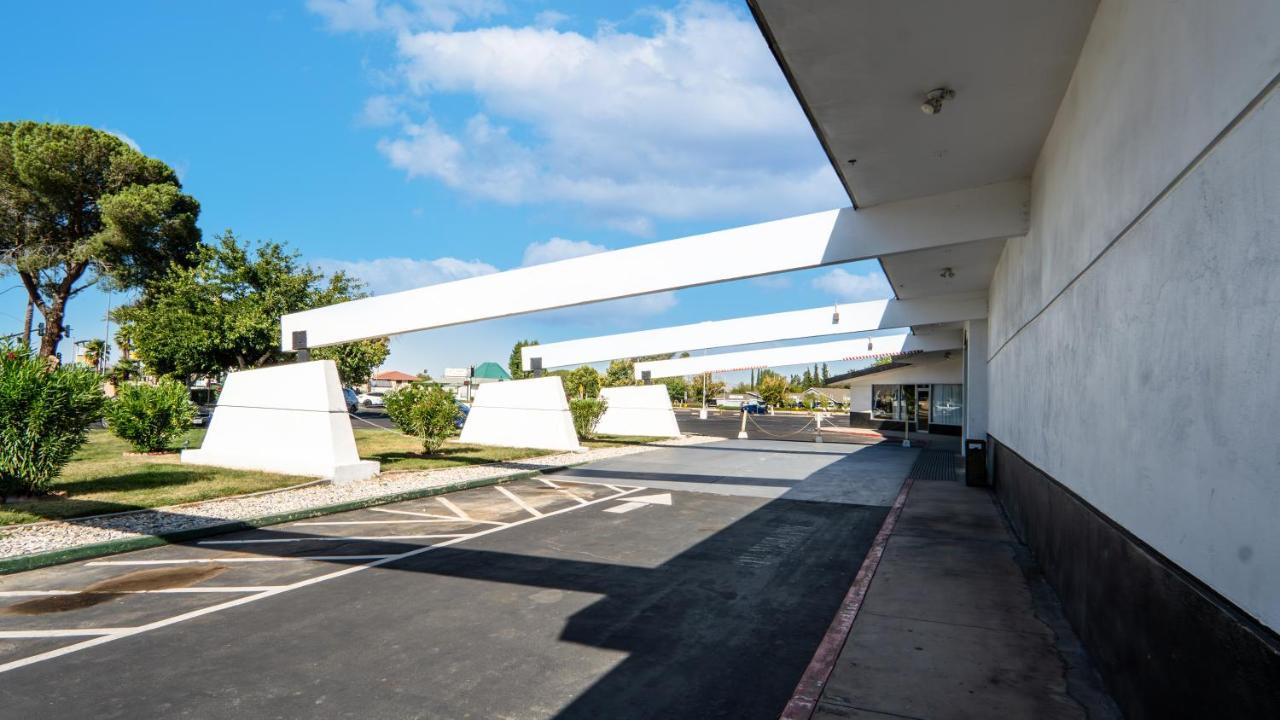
x=808 y=693
x=22 y=563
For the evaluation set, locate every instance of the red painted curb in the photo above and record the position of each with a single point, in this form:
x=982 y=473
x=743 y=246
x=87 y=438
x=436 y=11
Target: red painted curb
x=805 y=698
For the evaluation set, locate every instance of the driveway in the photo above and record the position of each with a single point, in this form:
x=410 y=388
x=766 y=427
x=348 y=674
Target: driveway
x=684 y=583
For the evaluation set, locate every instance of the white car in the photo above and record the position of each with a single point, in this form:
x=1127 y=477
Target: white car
x=373 y=398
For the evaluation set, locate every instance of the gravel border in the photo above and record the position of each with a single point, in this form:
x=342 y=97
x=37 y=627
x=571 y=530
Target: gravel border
x=23 y=547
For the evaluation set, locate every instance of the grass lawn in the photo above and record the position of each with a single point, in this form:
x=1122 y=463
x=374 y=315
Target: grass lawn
x=101 y=479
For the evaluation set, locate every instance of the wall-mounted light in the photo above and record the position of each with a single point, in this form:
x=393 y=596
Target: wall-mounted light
x=947 y=273
x=868 y=344
x=933 y=100
x=835 y=314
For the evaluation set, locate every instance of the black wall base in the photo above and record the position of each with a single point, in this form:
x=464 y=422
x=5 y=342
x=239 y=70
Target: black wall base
x=1166 y=645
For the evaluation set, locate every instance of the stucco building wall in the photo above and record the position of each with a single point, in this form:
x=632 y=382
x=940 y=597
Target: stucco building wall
x=1134 y=351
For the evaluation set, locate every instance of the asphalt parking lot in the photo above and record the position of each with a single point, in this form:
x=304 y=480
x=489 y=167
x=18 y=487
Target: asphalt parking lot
x=613 y=590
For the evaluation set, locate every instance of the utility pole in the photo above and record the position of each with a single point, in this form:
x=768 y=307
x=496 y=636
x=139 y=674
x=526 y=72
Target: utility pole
x=106 y=339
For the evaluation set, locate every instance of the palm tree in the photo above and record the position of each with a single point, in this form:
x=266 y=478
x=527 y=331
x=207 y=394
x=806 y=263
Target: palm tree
x=95 y=352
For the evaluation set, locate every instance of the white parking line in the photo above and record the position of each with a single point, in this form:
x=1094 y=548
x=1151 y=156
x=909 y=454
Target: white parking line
x=453 y=508
x=188 y=561
x=438 y=517
x=318 y=538
x=518 y=501
x=161 y=591
x=73 y=632
x=378 y=522
x=571 y=495
x=117 y=633
x=548 y=483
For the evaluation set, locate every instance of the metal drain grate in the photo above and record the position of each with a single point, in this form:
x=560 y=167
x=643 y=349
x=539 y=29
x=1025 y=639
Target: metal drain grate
x=934 y=465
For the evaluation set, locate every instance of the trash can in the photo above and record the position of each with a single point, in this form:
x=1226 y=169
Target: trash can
x=975 y=463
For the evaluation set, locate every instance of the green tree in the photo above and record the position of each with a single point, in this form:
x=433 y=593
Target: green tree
x=825 y=375
x=881 y=361
x=356 y=361
x=773 y=389
x=515 y=362
x=95 y=352
x=78 y=206
x=704 y=382
x=620 y=373
x=583 y=382
x=677 y=388
x=224 y=311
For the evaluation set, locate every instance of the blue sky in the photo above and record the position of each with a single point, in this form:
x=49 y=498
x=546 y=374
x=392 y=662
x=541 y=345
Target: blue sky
x=428 y=140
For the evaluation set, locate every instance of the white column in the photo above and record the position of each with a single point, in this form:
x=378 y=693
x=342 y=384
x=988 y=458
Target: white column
x=975 y=379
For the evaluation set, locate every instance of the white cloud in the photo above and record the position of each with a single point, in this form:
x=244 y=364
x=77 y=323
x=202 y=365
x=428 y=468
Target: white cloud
x=373 y=15
x=388 y=275
x=381 y=111
x=601 y=313
x=848 y=287
x=558 y=248
x=549 y=18
x=689 y=120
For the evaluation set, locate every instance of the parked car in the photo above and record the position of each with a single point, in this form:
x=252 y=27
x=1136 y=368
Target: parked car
x=372 y=399
x=755 y=408
x=461 y=418
x=353 y=401
x=205 y=399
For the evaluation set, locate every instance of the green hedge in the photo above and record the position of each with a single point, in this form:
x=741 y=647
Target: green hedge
x=586 y=415
x=425 y=411
x=45 y=413
x=150 y=417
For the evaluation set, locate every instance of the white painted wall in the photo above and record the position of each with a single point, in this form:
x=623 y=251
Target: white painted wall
x=1145 y=374
x=638 y=410
x=287 y=419
x=521 y=413
x=932 y=368
x=794 y=324
x=977 y=393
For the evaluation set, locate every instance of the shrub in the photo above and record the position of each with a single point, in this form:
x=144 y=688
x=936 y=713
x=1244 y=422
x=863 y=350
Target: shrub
x=45 y=412
x=150 y=417
x=586 y=415
x=425 y=411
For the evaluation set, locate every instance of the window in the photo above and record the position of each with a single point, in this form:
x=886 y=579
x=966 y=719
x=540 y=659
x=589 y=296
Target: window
x=948 y=405
x=886 y=402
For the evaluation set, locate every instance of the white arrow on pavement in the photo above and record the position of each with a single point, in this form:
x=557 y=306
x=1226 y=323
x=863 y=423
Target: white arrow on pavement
x=634 y=503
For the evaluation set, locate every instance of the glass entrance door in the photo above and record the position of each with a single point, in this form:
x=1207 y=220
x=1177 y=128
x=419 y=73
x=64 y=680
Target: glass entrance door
x=922 y=408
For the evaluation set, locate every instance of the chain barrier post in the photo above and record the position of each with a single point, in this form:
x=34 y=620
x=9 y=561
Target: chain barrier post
x=742 y=433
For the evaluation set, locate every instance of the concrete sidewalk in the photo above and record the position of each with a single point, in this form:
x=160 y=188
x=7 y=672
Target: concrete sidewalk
x=958 y=622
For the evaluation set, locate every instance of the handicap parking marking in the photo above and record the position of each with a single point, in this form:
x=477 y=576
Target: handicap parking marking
x=100 y=635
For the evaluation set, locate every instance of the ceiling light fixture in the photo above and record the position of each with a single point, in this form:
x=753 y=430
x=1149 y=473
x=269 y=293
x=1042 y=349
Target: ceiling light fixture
x=947 y=273
x=933 y=100
x=835 y=314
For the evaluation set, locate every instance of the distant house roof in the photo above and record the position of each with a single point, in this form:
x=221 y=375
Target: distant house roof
x=395 y=376
x=866 y=371
x=491 y=371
